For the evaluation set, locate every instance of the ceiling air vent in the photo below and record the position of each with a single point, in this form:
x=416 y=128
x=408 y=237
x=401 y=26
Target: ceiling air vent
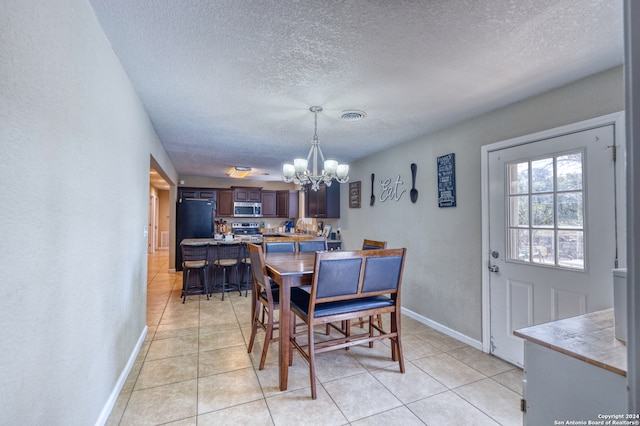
x=352 y=115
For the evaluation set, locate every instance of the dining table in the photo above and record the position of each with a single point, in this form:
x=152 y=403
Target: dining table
x=288 y=270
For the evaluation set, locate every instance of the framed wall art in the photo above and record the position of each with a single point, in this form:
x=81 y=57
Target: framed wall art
x=354 y=195
x=447 y=180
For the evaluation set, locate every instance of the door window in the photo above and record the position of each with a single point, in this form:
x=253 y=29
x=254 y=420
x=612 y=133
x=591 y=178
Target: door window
x=546 y=211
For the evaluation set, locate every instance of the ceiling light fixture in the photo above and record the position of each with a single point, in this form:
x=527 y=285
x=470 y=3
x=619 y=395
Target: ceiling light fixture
x=299 y=173
x=240 y=172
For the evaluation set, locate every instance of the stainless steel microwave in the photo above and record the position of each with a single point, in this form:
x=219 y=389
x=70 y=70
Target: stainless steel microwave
x=241 y=209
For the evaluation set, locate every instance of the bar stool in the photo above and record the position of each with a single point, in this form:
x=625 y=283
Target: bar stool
x=246 y=267
x=228 y=257
x=194 y=257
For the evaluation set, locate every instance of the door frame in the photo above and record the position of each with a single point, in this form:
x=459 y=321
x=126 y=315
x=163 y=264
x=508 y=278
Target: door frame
x=618 y=120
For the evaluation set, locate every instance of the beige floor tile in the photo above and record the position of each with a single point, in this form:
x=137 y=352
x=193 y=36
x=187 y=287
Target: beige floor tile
x=165 y=348
x=163 y=333
x=361 y=396
x=161 y=404
x=414 y=347
x=374 y=358
x=500 y=403
x=228 y=389
x=336 y=364
x=223 y=360
x=397 y=416
x=297 y=408
x=411 y=386
x=191 y=421
x=167 y=370
x=440 y=340
x=448 y=370
x=298 y=377
x=118 y=409
x=221 y=339
x=253 y=413
x=487 y=364
x=447 y=409
x=511 y=379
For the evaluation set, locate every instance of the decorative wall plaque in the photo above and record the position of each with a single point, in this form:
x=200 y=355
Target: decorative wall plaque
x=354 y=195
x=447 y=180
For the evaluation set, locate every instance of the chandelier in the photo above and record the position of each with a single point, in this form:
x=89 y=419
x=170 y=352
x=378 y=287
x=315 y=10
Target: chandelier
x=299 y=173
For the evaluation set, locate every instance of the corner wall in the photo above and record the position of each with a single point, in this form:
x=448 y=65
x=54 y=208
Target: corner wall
x=443 y=271
x=76 y=147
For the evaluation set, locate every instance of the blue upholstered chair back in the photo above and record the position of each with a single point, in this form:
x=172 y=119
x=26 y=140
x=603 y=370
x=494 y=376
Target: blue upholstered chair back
x=312 y=245
x=280 y=247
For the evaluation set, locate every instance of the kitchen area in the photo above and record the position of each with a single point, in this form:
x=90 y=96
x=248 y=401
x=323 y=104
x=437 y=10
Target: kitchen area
x=249 y=213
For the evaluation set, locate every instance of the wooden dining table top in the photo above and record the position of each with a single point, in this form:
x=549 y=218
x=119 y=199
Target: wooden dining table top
x=298 y=263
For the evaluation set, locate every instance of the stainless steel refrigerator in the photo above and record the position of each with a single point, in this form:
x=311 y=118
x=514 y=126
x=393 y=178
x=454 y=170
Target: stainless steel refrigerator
x=194 y=219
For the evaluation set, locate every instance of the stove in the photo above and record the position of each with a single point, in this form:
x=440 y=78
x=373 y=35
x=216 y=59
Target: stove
x=246 y=231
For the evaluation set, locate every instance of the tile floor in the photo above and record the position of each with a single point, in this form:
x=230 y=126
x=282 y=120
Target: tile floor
x=193 y=369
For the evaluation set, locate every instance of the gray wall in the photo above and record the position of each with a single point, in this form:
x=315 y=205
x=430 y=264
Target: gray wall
x=75 y=157
x=443 y=271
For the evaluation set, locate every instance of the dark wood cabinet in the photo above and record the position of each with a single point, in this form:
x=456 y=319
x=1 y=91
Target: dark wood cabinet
x=269 y=204
x=323 y=203
x=208 y=193
x=249 y=195
x=287 y=204
x=225 y=203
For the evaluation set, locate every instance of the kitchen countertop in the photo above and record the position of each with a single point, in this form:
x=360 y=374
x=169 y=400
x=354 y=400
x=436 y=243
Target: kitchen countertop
x=589 y=338
x=213 y=242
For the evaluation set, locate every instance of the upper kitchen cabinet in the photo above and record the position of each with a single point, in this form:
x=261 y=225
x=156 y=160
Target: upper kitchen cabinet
x=287 y=204
x=251 y=195
x=225 y=203
x=207 y=193
x=323 y=203
x=269 y=204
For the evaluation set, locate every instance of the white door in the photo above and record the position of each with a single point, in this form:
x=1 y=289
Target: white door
x=552 y=227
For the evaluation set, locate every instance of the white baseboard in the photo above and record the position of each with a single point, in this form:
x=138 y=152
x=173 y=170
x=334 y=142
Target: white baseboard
x=441 y=328
x=104 y=415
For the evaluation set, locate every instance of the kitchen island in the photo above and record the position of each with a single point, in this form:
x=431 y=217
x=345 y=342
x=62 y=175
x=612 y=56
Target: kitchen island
x=575 y=370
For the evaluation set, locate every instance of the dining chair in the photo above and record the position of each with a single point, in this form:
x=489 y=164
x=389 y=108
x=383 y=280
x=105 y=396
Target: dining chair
x=345 y=285
x=318 y=244
x=194 y=258
x=279 y=245
x=265 y=302
x=373 y=245
x=227 y=259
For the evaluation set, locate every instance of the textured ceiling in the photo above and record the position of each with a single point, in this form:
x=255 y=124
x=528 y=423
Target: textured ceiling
x=230 y=82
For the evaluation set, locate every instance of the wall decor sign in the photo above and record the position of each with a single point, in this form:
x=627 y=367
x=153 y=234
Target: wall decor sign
x=354 y=195
x=447 y=180
x=391 y=191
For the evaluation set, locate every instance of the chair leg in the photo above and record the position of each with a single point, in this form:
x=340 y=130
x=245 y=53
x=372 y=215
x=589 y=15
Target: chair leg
x=204 y=282
x=254 y=326
x=238 y=279
x=312 y=361
x=224 y=282
x=267 y=339
x=185 y=283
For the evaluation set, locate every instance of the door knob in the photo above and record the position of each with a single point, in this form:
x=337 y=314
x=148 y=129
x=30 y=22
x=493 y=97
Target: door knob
x=494 y=268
